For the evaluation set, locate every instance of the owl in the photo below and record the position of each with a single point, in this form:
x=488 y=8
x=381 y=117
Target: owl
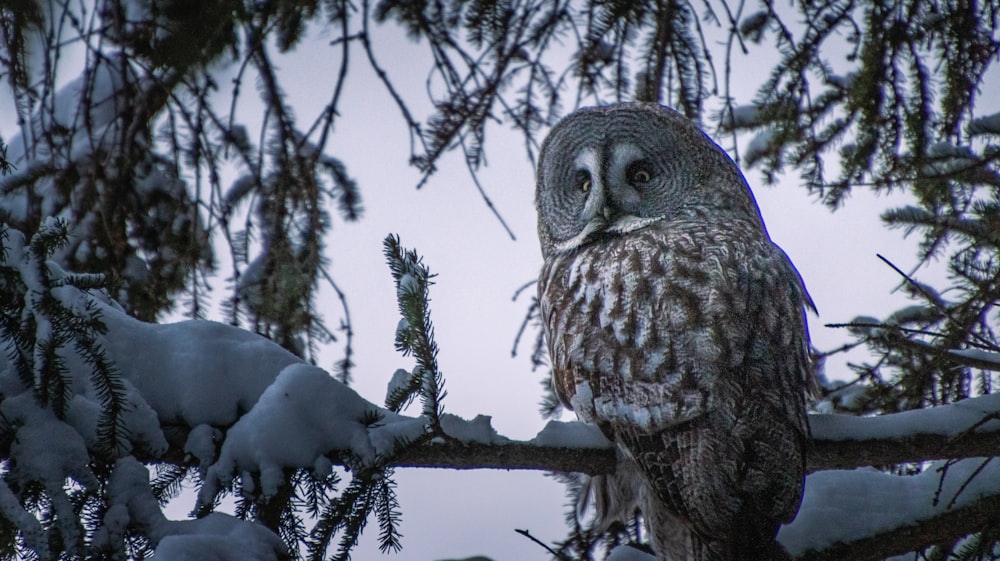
x=676 y=325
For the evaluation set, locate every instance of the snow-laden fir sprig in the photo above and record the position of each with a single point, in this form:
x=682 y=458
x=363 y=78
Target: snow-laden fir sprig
x=48 y=319
x=415 y=334
x=291 y=528
x=974 y=547
x=12 y=291
x=370 y=491
x=311 y=492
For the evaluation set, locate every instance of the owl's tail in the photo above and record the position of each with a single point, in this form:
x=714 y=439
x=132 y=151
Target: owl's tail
x=613 y=497
x=673 y=540
x=604 y=500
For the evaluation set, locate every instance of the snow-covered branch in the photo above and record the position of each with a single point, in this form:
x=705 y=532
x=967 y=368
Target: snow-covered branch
x=846 y=514
x=239 y=408
x=200 y=373
x=966 y=429
x=866 y=514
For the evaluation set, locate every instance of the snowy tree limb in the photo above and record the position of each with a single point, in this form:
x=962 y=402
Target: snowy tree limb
x=509 y=455
x=868 y=514
x=845 y=454
x=828 y=450
x=918 y=534
x=236 y=405
x=966 y=429
x=963 y=430
x=823 y=454
x=840 y=442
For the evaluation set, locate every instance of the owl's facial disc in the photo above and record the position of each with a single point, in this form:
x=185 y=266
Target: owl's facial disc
x=608 y=203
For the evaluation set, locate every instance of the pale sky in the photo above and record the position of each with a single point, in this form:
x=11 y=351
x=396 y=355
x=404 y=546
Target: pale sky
x=456 y=514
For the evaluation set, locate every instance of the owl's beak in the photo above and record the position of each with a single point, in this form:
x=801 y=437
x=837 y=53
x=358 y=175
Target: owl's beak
x=609 y=221
x=605 y=217
x=614 y=220
x=611 y=213
x=601 y=222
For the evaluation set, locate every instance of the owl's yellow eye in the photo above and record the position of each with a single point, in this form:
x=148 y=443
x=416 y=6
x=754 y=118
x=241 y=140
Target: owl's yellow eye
x=583 y=180
x=639 y=172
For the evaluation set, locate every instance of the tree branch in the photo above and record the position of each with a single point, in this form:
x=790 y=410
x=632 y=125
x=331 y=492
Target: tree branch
x=944 y=527
x=849 y=454
x=863 y=515
x=846 y=514
x=966 y=429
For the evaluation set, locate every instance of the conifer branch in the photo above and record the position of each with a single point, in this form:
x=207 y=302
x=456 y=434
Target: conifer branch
x=415 y=334
x=942 y=528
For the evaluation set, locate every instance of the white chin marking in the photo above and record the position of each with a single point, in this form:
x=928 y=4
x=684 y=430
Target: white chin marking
x=579 y=239
x=623 y=225
x=630 y=223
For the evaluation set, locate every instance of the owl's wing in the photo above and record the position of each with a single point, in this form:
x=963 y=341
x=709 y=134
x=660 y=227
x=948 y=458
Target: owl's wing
x=777 y=358
x=736 y=472
x=779 y=375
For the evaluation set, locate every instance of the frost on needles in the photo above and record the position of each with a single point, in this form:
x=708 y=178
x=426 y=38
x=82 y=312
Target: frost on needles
x=91 y=394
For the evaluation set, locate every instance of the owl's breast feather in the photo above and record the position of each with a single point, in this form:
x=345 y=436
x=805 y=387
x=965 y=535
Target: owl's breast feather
x=635 y=317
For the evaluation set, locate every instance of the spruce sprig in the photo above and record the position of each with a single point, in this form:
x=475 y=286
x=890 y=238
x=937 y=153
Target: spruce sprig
x=348 y=515
x=415 y=334
x=45 y=322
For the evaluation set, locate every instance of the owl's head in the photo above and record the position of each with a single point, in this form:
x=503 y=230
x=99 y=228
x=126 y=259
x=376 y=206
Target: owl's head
x=608 y=171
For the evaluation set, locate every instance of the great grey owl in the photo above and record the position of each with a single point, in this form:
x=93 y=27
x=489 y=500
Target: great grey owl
x=677 y=326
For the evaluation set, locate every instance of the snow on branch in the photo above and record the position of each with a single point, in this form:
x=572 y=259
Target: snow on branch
x=866 y=514
x=215 y=536
x=244 y=412
x=305 y=418
x=966 y=429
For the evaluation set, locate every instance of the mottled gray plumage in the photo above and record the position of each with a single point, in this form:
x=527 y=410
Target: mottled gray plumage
x=676 y=325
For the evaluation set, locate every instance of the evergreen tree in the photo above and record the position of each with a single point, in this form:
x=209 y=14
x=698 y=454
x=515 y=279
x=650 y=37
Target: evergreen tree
x=116 y=174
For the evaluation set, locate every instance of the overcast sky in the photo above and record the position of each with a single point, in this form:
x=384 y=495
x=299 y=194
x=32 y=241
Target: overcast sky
x=456 y=514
